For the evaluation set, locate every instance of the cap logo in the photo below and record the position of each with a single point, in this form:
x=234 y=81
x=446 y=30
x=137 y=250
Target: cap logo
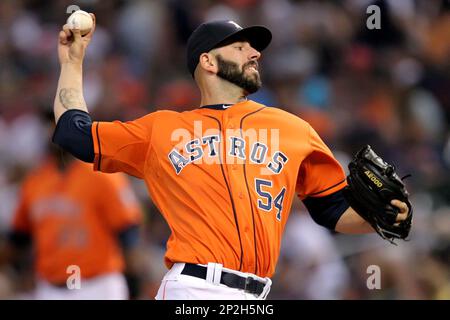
x=235 y=24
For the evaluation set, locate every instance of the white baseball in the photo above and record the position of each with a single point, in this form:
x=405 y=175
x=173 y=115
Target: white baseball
x=80 y=20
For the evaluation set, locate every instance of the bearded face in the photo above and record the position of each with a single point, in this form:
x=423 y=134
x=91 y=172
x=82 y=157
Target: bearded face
x=246 y=77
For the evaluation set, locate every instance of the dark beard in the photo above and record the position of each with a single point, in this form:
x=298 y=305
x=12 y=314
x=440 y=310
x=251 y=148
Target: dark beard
x=231 y=72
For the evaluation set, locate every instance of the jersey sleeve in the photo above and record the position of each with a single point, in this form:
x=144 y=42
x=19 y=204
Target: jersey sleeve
x=21 y=219
x=73 y=133
x=118 y=203
x=122 y=146
x=320 y=173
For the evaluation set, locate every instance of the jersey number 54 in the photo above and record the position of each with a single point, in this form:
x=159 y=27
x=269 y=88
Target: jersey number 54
x=266 y=201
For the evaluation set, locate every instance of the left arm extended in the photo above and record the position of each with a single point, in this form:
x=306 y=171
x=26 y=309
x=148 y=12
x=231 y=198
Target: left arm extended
x=351 y=223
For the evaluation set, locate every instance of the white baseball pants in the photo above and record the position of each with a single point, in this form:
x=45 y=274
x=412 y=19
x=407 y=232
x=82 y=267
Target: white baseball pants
x=177 y=286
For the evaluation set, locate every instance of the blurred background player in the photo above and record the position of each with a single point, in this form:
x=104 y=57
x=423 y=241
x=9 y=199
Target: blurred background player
x=79 y=223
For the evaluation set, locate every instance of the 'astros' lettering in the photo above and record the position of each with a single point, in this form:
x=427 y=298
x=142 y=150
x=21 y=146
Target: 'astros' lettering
x=194 y=151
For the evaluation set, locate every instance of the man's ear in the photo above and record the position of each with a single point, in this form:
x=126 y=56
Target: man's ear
x=208 y=62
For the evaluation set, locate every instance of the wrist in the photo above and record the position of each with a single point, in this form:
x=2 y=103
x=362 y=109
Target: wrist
x=72 y=65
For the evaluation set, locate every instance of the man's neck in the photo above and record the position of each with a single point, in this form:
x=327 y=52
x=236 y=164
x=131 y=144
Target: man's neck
x=222 y=93
x=61 y=158
x=219 y=100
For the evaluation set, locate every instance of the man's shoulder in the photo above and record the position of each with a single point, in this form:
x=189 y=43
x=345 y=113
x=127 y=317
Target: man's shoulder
x=274 y=113
x=33 y=178
x=161 y=115
x=170 y=118
x=40 y=171
x=278 y=115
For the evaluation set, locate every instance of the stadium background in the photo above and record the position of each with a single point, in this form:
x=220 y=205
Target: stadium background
x=389 y=88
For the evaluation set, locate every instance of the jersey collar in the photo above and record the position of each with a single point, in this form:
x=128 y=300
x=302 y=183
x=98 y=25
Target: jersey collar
x=216 y=106
x=238 y=109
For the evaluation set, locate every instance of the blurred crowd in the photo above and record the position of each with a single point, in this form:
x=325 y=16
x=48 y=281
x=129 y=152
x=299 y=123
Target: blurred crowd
x=387 y=87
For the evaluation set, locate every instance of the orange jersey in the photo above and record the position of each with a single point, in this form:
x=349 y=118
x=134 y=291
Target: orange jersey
x=74 y=218
x=224 y=180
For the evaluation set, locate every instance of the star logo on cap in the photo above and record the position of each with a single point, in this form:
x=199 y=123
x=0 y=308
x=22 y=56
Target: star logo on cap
x=235 y=24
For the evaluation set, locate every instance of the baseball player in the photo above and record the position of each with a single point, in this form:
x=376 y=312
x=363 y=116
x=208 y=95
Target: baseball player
x=81 y=224
x=223 y=175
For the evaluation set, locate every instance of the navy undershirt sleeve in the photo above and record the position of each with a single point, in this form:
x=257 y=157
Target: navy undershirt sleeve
x=73 y=134
x=327 y=210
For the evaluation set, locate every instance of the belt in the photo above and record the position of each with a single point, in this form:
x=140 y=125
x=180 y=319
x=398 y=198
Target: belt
x=248 y=284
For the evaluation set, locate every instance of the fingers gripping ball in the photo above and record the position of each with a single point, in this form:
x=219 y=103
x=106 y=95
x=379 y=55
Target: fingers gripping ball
x=372 y=185
x=80 y=20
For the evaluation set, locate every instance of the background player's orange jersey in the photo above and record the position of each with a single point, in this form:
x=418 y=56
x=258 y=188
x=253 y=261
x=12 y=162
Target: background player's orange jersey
x=74 y=217
x=223 y=179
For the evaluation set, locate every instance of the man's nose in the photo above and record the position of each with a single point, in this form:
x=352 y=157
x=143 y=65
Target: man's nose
x=254 y=54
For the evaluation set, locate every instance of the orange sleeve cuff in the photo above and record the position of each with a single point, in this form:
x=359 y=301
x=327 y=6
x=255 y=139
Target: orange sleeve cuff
x=332 y=189
x=97 y=147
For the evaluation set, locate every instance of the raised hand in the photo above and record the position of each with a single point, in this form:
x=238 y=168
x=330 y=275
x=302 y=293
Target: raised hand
x=72 y=46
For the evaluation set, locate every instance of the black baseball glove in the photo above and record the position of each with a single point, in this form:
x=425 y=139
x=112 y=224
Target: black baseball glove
x=372 y=184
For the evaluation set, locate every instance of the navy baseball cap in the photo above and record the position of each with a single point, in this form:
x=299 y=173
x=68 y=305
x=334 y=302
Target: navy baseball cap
x=213 y=34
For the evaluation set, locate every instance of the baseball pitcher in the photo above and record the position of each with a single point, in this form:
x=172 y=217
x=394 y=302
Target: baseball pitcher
x=224 y=175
